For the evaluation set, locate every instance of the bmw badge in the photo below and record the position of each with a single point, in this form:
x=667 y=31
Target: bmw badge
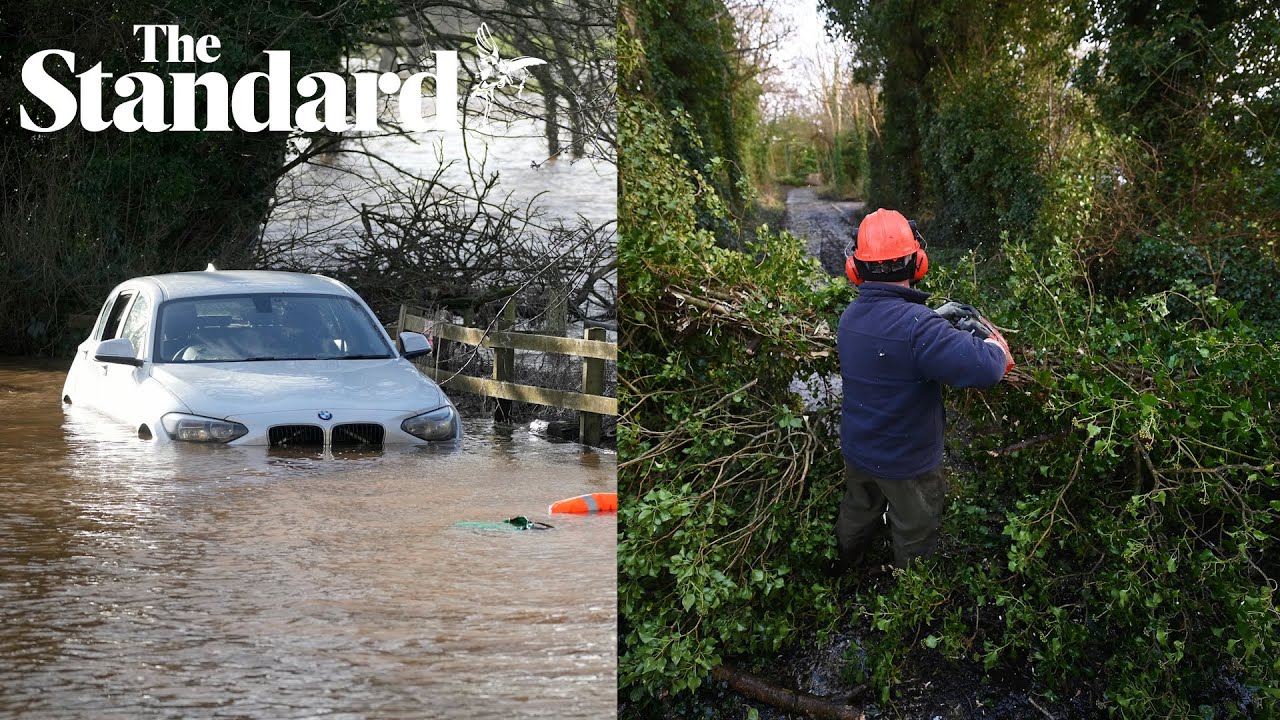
x=325 y=415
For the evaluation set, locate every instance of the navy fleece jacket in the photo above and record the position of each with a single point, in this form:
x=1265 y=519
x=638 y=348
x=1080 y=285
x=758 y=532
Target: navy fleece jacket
x=894 y=354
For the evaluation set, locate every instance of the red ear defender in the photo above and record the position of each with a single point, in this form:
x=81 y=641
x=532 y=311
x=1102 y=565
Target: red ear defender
x=850 y=266
x=922 y=260
x=851 y=271
x=922 y=266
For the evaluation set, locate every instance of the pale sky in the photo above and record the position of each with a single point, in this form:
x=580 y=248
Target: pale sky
x=808 y=34
x=807 y=43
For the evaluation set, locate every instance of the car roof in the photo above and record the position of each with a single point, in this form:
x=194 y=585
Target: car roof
x=239 y=282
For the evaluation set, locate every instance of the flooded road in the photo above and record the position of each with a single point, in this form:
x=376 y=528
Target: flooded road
x=144 y=581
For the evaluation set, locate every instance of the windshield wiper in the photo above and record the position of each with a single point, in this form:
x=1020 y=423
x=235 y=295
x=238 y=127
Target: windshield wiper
x=272 y=357
x=362 y=357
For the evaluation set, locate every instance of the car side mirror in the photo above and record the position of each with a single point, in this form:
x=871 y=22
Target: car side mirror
x=414 y=345
x=117 y=350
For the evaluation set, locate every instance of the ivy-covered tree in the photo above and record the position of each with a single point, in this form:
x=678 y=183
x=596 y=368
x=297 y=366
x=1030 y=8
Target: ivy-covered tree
x=961 y=86
x=691 y=70
x=1191 y=83
x=892 y=50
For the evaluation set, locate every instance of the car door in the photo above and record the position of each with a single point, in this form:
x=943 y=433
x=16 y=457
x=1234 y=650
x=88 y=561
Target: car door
x=109 y=387
x=121 y=381
x=85 y=382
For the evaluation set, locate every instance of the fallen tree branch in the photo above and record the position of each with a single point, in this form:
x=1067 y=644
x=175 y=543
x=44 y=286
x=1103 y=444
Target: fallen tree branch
x=707 y=305
x=723 y=310
x=1038 y=439
x=792 y=701
x=1218 y=469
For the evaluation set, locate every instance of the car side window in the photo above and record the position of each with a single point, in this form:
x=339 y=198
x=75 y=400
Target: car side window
x=109 y=324
x=137 y=323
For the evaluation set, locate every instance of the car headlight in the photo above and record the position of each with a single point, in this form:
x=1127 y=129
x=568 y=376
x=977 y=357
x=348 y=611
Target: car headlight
x=193 y=428
x=439 y=424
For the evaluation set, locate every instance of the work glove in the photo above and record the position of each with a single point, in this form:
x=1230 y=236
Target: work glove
x=964 y=317
x=967 y=318
x=953 y=311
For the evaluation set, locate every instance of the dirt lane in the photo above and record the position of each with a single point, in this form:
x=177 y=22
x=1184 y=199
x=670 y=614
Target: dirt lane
x=825 y=224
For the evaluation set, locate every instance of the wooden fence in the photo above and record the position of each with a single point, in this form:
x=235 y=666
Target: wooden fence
x=592 y=405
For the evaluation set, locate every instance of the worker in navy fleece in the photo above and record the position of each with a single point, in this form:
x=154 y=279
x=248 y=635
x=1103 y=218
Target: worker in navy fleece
x=895 y=354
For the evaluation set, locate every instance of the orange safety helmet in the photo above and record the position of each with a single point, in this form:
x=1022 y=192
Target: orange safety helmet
x=886 y=247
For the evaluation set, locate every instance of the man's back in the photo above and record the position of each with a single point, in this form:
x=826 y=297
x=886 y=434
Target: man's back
x=894 y=351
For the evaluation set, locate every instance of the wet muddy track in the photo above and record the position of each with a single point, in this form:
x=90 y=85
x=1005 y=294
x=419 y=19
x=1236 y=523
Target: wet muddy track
x=825 y=225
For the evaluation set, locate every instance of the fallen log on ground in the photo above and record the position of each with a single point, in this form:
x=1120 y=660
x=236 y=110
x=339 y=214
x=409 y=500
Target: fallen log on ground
x=786 y=699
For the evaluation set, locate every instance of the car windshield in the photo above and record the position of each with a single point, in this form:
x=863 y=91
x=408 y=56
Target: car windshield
x=266 y=326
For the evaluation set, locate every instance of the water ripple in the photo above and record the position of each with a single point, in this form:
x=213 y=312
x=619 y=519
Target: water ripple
x=139 y=581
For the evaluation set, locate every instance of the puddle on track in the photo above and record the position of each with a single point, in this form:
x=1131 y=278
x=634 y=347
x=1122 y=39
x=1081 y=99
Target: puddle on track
x=145 y=581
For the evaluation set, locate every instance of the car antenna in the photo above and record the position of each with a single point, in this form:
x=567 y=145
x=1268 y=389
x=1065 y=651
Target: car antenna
x=211 y=268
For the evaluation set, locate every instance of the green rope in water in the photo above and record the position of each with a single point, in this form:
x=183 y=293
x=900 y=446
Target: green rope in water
x=518 y=522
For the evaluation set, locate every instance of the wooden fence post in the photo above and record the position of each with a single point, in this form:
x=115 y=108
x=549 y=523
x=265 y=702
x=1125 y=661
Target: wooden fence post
x=556 y=324
x=501 y=338
x=404 y=312
x=504 y=360
x=557 y=315
x=589 y=424
x=437 y=343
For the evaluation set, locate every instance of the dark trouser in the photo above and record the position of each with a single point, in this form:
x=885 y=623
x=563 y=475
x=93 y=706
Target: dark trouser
x=915 y=513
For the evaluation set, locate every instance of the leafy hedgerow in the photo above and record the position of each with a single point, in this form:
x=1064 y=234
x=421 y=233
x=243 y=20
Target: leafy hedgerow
x=730 y=488
x=1128 y=543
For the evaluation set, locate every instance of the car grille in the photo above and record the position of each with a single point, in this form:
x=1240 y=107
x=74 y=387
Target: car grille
x=295 y=435
x=358 y=434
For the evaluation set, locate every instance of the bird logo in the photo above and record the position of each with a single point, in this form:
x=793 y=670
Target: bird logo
x=496 y=73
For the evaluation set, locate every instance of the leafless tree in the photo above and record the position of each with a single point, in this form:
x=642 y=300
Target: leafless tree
x=451 y=233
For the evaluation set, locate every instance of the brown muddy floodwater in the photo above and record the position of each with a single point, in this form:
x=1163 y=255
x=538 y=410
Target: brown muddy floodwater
x=144 y=581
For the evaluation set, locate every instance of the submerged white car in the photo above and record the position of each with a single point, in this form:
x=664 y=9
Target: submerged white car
x=256 y=358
